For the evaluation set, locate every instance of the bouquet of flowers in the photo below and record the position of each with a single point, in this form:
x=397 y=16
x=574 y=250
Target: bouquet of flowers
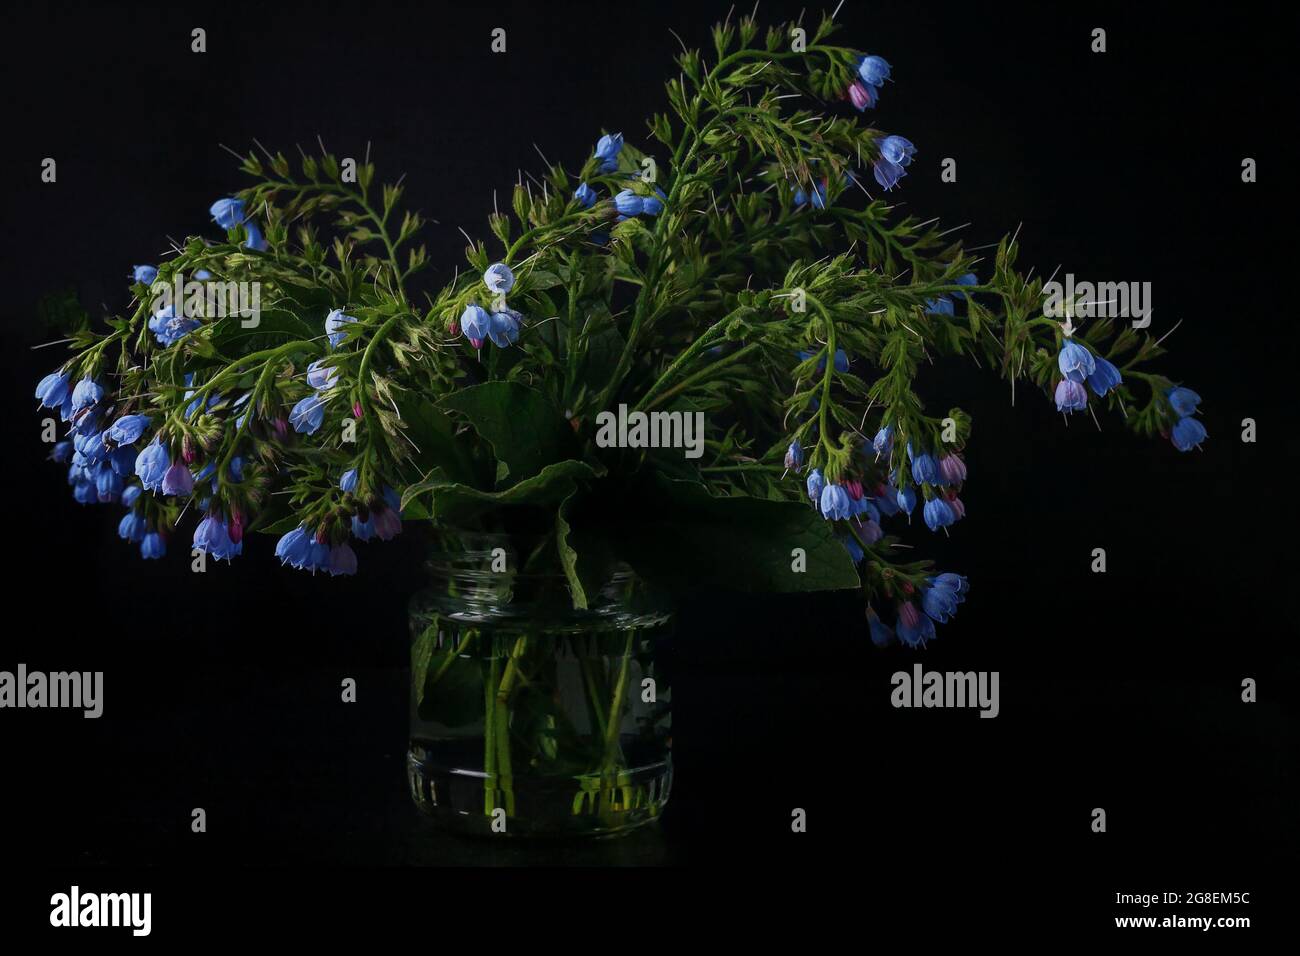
x=696 y=355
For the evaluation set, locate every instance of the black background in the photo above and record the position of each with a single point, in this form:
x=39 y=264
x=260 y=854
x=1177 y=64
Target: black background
x=1119 y=690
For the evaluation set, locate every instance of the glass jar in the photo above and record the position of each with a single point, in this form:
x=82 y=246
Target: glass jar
x=530 y=718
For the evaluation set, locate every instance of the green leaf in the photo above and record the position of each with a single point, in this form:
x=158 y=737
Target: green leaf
x=525 y=429
x=683 y=538
x=433 y=433
x=275 y=327
x=453 y=503
x=585 y=557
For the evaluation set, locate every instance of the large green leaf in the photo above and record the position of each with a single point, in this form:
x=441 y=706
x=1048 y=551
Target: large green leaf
x=677 y=535
x=526 y=431
x=275 y=327
x=431 y=432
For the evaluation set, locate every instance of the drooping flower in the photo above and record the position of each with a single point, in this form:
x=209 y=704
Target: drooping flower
x=153 y=546
x=151 y=465
x=834 y=503
x=954 y=582
x=132 y=527
x=387 y=523
x=938 y=514
x=1071 y=396
x=144 y=274
x=897 y=150
x=887 y=174
x=873 y=70
x=178 y=480
x=363 y=530
x=881 y=633
x=1188 y=433
x=1104 y=377
x=255 y=240
x=131 y=495
x=318 y=556
x=475 y=324
x=342 y=560
x=914 y=628
x=906 y=499
x=1075 y=361
x=62 y=452
x=335 y=325
x=884 y=440
x=228 y=213
x=322 y=377
x=939 y=602
x=628 y=203
x=607 y=149
x=815 y=484
x=108 y=483
x=925 y=470
x=856 y=553
x=308 y=414
x=794 y=456
x=908 y=616
x=294 y=547
x=653 y=205
x=498 y=278
x=212 y=536
x=952 y=470
x=1182 y=400
x=54 y=390
x=128 y=429
x=87 y=394
x=348 y=481
x=585 y=196
x=503 y=328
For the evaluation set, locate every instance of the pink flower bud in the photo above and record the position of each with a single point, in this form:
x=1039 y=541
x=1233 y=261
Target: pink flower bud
x=854 y=488
x=281 y=429
x=356 y=410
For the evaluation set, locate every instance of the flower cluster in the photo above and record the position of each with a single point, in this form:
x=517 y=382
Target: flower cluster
x=1188 y=432
x=502 y=324
x=1079 y=366
x=361 y=402
x=914 y=626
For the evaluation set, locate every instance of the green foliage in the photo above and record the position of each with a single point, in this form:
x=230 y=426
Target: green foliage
x=700 y=308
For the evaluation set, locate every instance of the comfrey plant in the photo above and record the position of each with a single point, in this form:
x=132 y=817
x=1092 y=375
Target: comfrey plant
x=734 y=265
